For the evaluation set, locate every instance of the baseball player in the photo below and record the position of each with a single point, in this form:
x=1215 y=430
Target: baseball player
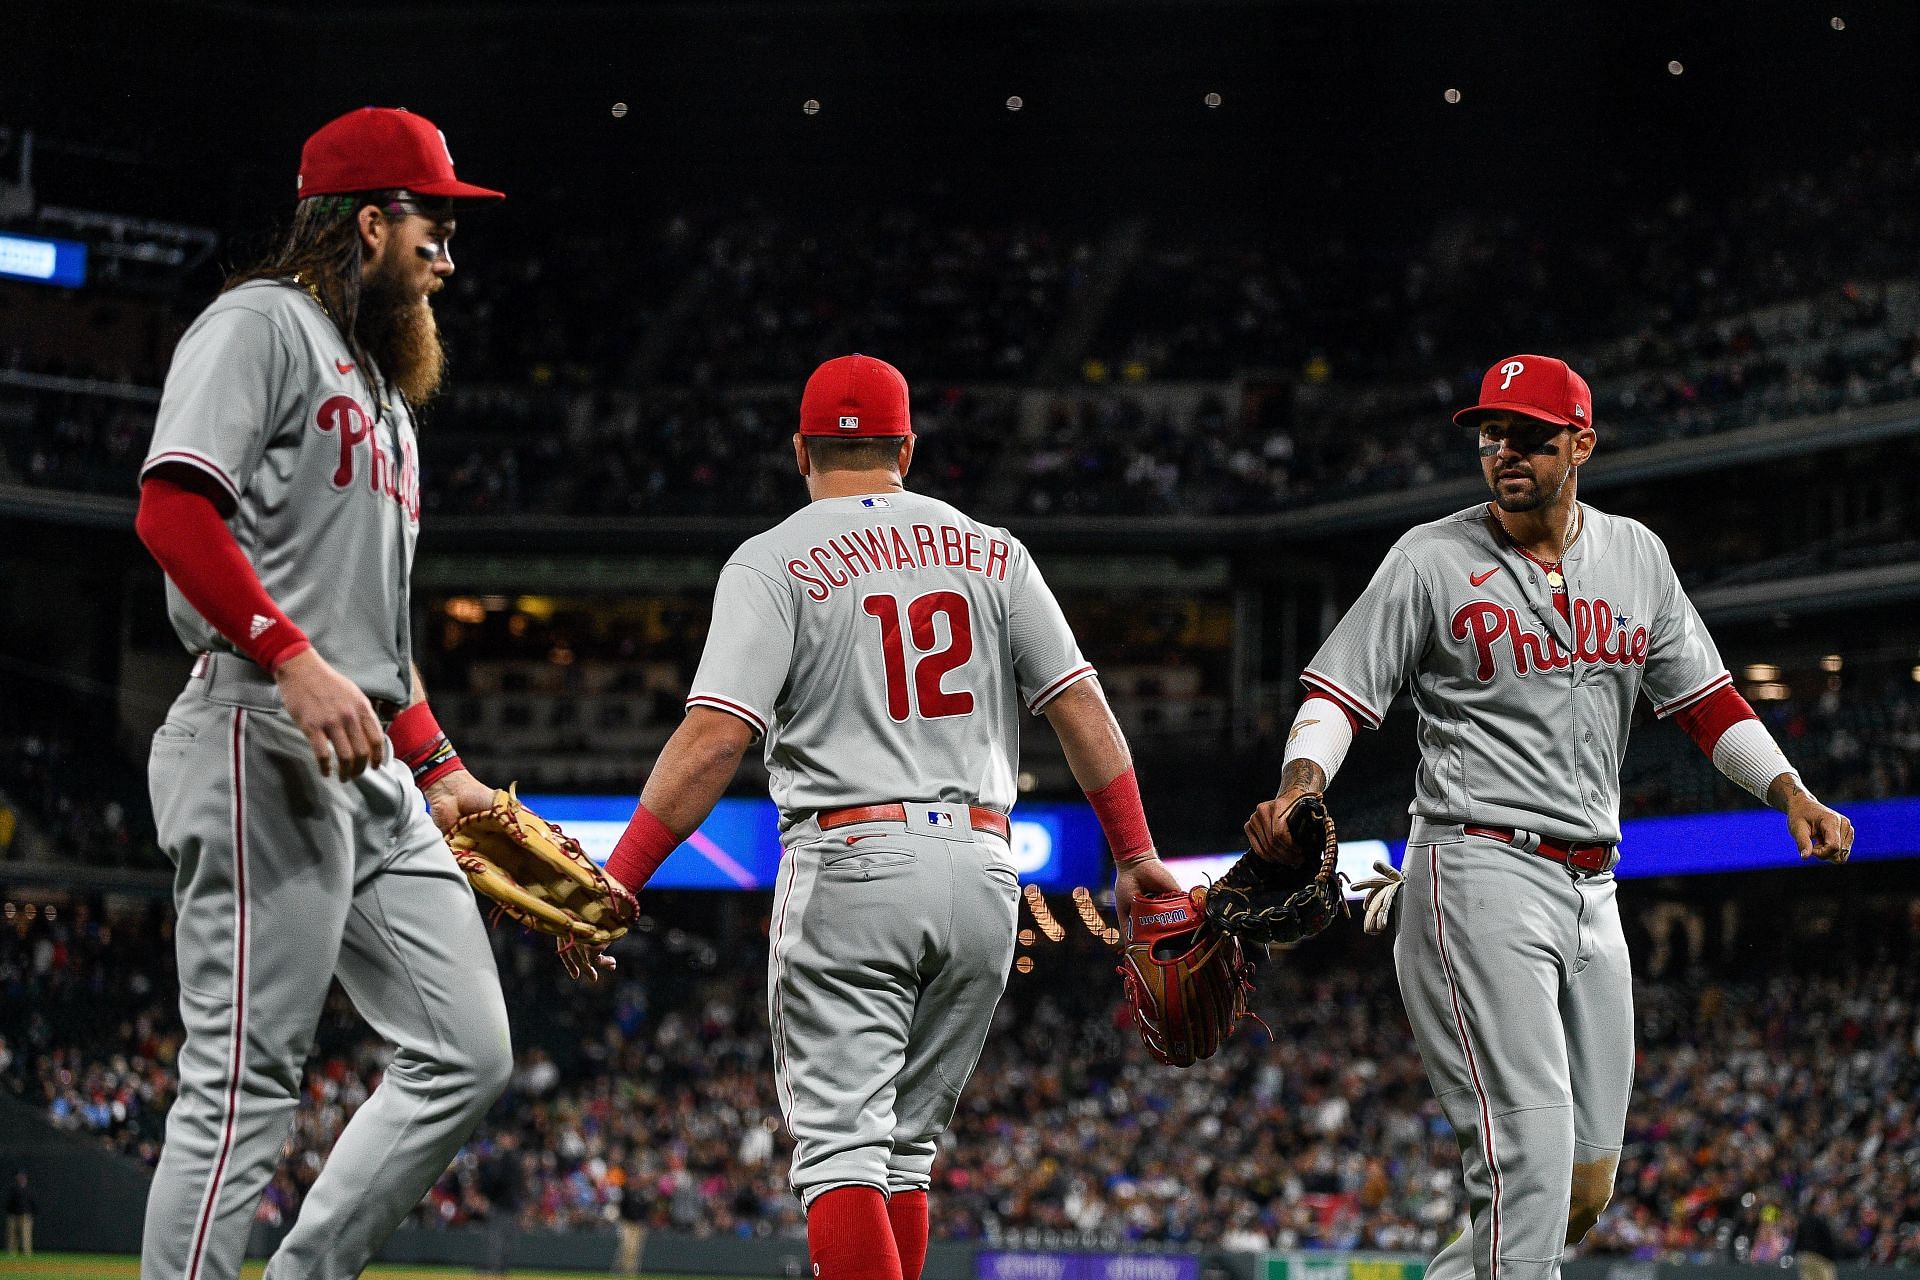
x=282 y=497
x=883 y=644
x=1527 y=627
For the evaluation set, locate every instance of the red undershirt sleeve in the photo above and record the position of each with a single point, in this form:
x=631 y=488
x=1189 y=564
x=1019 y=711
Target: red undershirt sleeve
x=1712 y=716
x=184 y=531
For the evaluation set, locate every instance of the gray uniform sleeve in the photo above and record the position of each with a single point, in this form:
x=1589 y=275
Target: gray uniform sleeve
x=221 y=397
x=1046 y=658
x=1683 y=663
x=1378 y=644
x=749 y=647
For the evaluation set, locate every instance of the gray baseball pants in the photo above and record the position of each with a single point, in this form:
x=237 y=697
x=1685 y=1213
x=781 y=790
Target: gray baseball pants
x=285 y=879
x=890 y=949
x=1515 y=975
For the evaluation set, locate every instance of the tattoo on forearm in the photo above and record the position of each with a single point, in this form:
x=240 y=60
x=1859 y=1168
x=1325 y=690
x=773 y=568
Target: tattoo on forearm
x=1305 y=774
x=1784 y=790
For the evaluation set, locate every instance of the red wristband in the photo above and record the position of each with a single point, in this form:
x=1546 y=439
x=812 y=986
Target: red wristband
x=422 y=745
x=1117 y=806
x=642 y=847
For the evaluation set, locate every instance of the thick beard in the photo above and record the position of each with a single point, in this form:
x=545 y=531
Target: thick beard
x=398 y=330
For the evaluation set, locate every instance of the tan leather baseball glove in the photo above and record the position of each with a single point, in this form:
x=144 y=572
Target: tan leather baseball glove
x=541 y=877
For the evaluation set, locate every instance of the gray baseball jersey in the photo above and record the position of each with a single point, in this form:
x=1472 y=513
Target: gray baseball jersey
x=285 y=879
x=1514 y=967
x=265 y=397
x=885 y=646
x=1523 y=713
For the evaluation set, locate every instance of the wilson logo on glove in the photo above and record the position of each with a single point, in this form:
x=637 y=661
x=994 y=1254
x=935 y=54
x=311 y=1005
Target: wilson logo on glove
x=1186 y=980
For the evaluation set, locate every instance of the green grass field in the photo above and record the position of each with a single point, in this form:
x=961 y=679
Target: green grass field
x=94 y=1266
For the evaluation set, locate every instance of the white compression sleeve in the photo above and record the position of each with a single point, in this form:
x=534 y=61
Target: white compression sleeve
x=1321 y=733
x=1748 y=755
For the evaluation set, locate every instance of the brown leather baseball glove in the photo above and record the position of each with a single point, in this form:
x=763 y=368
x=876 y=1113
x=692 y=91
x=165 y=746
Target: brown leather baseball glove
x=541 y=877
x=1186 y=980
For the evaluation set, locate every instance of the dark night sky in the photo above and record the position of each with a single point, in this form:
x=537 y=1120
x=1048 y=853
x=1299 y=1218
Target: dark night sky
x=1331 y=112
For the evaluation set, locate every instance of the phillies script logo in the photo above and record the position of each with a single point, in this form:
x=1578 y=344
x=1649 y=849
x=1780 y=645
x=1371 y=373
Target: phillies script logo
x=399 y=479
x=1598 y=636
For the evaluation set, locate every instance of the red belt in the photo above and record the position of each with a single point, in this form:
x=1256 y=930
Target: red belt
x=983 y=819
x=1590 y=858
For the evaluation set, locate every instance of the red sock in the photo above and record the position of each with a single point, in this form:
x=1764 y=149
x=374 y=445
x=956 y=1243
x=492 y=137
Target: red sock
x=849 y=1237
x=907 y=1211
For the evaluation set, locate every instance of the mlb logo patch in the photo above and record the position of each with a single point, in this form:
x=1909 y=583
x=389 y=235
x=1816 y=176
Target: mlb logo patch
x=875 y=502
x=936 y=818
x=849 y=422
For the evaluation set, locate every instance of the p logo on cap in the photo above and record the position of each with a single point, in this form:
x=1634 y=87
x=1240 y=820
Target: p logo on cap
x=1538 y=387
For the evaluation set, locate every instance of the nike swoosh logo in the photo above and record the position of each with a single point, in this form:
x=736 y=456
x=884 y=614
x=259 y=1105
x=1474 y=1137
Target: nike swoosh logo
x=344 y=366
x=1477 y=578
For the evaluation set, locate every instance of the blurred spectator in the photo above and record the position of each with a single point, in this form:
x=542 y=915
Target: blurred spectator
x=1763 y=1100
x=20 y=1211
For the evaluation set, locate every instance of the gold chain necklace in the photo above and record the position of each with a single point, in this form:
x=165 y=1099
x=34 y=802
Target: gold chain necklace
x=1568 y=536
x=382 y=406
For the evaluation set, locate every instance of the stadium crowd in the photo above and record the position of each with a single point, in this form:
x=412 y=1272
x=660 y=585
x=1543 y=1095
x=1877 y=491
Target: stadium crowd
x=657 y=376
x=1775 y=1082
x=89 y=805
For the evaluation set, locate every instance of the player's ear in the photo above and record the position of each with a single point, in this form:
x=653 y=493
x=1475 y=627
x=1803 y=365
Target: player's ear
x=906 y=453
x=801 y=461
x=373 y=229
x=1583 y=441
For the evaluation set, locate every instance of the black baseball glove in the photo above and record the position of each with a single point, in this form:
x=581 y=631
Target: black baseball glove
x=1291 y=891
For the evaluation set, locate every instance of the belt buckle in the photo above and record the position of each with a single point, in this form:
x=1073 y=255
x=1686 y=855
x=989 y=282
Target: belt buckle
x=1591 y=858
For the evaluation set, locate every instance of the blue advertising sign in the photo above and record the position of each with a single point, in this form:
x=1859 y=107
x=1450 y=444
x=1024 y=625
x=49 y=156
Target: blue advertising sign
x=1057 y=846
x=43 y=260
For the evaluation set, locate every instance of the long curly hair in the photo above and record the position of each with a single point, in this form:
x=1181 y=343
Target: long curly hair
x=322 y=246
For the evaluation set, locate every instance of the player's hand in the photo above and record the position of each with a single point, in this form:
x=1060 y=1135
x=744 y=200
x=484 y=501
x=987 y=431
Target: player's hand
x=333 y=713
x=1270 y=831
x=1145 y=875
x=452 y=796
x=1820 y=832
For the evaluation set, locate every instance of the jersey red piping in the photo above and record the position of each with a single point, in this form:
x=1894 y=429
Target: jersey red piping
x=718 y=703
x=1665 y=709
x=1314 y=680
x=779 y=1009
x=198 y=462
x=1059 y=686
x=1473 y=1067
x=237 y=1025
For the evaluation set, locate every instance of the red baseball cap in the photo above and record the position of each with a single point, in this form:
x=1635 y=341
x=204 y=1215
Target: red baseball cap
x=377 y=148
x=853 y=397
x=1536 y=386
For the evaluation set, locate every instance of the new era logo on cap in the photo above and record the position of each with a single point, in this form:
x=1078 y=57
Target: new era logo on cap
x=849 y=422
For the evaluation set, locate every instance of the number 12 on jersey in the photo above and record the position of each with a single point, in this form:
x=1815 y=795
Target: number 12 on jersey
x=932 y=664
